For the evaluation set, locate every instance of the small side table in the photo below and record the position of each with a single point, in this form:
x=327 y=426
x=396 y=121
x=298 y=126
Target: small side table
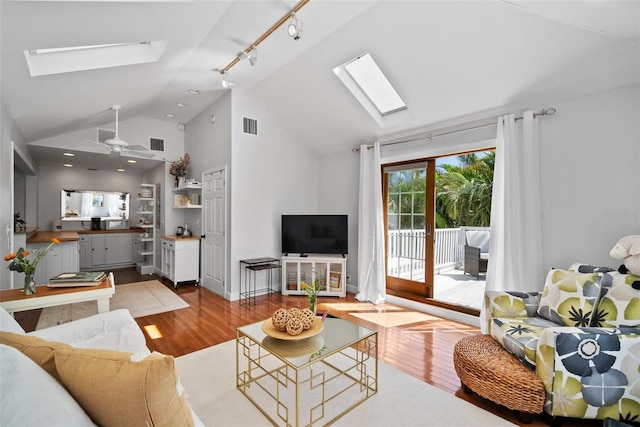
x=248 y=289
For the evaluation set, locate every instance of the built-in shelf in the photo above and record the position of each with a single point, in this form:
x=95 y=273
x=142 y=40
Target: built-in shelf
x=187 y=196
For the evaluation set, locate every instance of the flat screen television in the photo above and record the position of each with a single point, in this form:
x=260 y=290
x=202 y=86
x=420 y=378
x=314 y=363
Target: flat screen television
x=315 y=234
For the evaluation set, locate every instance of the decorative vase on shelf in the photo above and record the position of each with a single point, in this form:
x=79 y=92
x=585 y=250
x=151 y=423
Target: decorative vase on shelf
x=29 y=284
x=181 y=180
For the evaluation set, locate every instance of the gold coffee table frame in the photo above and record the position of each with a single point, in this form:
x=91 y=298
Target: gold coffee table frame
x=308 y=382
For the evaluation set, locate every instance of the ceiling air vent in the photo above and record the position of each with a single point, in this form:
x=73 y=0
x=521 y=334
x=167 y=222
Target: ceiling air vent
x=250 y=126
x=105 y=134
x=156 y=144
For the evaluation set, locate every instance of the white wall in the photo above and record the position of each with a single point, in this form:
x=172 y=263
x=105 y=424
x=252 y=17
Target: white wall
x=9 y=135
x=52 y=179
x=590 y=184
x=271 y=174
x=590 y=177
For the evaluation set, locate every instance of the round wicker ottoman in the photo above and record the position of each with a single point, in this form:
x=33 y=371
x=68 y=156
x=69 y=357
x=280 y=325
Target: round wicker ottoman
x=491 y=371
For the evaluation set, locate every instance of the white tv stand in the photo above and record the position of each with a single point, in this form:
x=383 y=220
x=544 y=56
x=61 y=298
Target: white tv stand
x=297 y=269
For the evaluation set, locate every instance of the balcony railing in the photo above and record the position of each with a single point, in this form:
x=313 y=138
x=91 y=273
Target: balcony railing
x=407 y=256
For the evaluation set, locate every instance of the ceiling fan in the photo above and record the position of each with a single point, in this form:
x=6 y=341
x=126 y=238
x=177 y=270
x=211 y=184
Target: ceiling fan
x=118 y=146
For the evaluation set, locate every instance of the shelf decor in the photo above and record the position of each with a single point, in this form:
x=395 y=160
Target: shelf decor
x=179 y=169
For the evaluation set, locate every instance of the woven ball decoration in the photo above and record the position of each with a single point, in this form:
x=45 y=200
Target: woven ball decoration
x=279 y=319
x=307 y=317
x=294 y=326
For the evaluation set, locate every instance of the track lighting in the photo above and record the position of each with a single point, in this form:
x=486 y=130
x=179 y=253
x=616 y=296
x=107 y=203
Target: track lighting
x=295 y=27
x=251 y=53
x=226 y=83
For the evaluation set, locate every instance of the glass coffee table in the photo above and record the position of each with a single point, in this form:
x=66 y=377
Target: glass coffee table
x=312 y=380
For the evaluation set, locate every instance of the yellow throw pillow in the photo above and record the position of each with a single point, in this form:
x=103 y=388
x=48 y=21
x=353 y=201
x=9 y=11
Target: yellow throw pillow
x=36 y=349
x=124 y=389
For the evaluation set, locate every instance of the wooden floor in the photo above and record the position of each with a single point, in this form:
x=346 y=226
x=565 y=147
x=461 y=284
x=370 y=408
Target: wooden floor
x=416 y=343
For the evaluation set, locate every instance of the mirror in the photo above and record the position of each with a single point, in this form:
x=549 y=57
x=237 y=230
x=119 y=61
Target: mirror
x=87 y=204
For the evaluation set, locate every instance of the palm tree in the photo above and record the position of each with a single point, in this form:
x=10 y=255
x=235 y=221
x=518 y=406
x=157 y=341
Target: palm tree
x=463 y=193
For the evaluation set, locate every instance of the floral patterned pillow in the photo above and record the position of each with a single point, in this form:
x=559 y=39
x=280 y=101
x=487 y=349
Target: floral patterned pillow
x=568 y=297
x=619 y=304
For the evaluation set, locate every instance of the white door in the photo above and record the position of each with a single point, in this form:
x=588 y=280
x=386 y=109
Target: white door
x=214 y=230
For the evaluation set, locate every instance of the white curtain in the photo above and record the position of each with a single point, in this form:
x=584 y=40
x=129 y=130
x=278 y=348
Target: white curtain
x=86 y=204
x=515 y=253
x=371 y=273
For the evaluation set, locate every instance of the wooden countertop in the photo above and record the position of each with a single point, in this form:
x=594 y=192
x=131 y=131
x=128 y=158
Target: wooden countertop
x=73 y=235
x=124 y=230
x=174 y=238
x=46 y=236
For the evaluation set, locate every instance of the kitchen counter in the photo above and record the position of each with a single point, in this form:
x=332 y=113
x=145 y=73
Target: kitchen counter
x=123 y=230
x=174 y=238
x=46 y=236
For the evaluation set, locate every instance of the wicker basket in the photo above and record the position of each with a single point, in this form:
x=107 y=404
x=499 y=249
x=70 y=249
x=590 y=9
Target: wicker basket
x=489 y=370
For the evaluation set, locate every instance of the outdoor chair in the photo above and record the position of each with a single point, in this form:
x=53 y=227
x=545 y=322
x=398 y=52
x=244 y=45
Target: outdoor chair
x=476 y=252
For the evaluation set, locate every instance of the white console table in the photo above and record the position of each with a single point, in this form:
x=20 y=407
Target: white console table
x=298 y=269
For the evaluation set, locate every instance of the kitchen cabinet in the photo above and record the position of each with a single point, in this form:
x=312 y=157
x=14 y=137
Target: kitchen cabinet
x=84 y=251
x=112 y=250
x=103 y=251
x=181 y=259
x=65 y=259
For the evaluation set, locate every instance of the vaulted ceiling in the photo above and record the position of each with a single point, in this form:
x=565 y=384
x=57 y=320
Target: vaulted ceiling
x=446 y=59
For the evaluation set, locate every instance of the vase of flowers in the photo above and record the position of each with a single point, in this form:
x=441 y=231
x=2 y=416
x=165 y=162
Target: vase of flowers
x=312 y=290
x=179 y=169
x=20 y=262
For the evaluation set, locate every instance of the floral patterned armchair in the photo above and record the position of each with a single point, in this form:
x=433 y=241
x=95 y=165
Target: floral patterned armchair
x=581 y=335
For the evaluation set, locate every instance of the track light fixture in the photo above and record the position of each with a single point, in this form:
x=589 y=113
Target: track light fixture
x=251 y=53
x=226 y=83
x=295 y=27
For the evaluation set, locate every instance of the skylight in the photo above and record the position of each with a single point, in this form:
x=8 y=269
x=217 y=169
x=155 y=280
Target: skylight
x=372 y=81
x=47 y=61
x=372 y=89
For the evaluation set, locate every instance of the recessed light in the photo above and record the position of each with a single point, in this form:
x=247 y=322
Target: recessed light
x=194 y=91
x=120 y=170
x=68 y=165
x=181 y=104
x=170 y=115
x=68 y=154
x=131 y=161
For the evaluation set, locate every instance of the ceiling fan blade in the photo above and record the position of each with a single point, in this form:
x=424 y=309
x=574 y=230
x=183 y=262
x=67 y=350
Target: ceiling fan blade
x=140 y=154
x=137 y=147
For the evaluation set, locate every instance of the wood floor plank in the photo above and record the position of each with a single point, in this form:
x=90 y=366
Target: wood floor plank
x=422 y=349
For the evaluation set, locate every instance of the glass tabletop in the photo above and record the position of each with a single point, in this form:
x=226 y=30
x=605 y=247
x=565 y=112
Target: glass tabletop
x=336 y=335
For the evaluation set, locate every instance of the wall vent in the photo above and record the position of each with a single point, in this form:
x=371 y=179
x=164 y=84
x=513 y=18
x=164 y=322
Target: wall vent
x=250 y=126
x=156 y=144
x=104 y=134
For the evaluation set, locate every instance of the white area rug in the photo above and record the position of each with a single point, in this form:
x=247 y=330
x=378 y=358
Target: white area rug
x=208 y=377
x=140 y=298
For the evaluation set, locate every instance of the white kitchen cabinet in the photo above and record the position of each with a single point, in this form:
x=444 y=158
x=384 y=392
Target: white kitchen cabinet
x=84 y=251
x=146 y=241
x=181 y=259
x=65 y=259
x=329 y=268
x=103 y=251
x=112 y=250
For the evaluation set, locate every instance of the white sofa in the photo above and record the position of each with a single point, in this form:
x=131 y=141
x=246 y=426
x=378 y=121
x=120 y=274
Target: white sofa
x=30 y=396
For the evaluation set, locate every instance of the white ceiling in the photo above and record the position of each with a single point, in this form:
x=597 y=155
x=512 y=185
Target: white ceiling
x=447 y=59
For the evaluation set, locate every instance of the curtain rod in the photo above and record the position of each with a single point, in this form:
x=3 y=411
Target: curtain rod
x=429 y=136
